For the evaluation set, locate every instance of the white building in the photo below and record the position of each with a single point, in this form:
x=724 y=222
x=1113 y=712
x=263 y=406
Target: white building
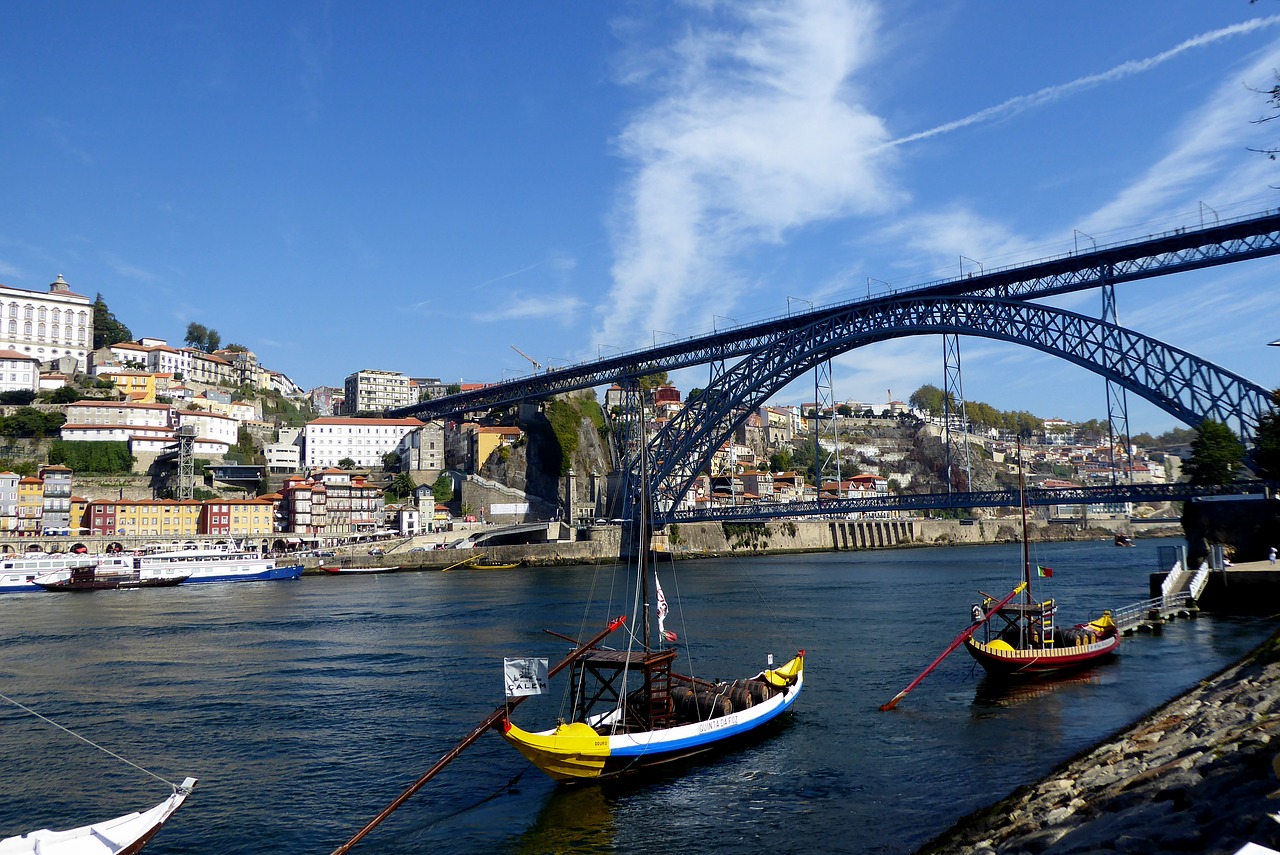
x=19 y=372
x=118 y=414
x=147 y=428
x=210 y=426
x=365 y=441
x=373 y=391
x=283 y=457
x=47 y=325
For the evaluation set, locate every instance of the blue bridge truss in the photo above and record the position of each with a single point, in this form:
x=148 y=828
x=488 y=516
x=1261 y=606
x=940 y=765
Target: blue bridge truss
x=997 y=304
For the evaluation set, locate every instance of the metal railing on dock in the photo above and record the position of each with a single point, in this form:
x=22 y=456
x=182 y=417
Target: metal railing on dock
x=1153 y=611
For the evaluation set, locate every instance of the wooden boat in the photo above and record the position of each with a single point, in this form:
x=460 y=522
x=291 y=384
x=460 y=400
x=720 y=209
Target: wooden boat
x=630 y=710
x=491 y=564
x=1020 y=637
x=338 y=570
x=91 y=577
x=123 y=835
x=1124 y=540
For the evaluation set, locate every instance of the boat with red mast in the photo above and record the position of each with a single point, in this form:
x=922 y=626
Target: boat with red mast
x=1015 y=637
x=1019 y=636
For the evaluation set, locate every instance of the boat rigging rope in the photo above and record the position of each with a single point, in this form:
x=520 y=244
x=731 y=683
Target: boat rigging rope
x=88 y=741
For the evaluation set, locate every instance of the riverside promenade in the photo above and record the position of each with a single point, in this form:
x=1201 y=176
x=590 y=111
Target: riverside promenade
x=1199 y=774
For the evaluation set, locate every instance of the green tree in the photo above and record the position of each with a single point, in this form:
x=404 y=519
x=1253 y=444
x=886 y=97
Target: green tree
x=649 y=382
x=19 y=397
x=107 y=330
x=346 y=463
x=391 y=461
x=95 y=457
x=442 y=489
x=203 y=338
x=1216 y=455
x=1266 y=453
x=929 y=398
x=32 y=423
x=64 y=395
x=401 y=487
x=196 y=335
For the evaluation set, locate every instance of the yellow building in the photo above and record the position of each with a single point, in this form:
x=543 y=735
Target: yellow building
x=138 y=387
x=30 y=506
x=484 y=439
x=237 y=517
x=173 y=519
x=161 y=518
x=78 y=506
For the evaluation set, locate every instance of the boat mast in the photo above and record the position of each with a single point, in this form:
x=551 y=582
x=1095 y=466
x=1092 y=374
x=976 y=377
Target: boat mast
x=643 y=529
x=1022 y=503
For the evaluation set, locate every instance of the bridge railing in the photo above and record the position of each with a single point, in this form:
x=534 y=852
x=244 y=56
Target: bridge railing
x=1128 y=617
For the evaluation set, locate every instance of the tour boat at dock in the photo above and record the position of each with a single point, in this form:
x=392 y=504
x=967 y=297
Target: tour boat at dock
x=18 y=572
x=206 y=564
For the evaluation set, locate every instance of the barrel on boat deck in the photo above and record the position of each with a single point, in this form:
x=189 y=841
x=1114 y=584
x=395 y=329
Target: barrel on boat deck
x=760 y=690
x=740 y=695
x=702 y=704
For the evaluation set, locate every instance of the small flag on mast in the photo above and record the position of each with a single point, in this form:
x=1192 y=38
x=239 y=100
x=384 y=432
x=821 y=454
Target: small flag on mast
x=524 y=677
x=1045 y=572
x=662 y=611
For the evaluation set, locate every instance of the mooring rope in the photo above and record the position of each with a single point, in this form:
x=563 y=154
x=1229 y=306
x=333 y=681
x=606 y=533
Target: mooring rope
x=88 y=741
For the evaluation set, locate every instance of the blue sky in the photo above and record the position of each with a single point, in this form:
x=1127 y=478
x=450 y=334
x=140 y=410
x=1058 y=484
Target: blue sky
x=419 y=186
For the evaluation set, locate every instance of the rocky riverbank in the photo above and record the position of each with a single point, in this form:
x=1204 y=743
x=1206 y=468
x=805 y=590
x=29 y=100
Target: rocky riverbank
x=1196 y=775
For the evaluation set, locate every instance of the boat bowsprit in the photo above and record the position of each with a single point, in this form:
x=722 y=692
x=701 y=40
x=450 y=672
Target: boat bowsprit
x=122 y=835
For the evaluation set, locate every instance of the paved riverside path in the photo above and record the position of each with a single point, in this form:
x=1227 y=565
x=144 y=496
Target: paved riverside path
x=1196 y=775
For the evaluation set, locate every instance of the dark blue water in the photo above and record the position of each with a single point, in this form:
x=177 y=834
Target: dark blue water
x=305 y=707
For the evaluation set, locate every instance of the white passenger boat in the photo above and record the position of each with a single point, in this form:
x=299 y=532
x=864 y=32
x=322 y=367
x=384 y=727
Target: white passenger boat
x=18 y=571
x=206 y=564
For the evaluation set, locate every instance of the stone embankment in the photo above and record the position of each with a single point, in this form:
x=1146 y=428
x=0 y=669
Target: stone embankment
x=1196 y=775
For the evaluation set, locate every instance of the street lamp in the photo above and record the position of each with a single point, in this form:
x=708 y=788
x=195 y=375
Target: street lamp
x=798 y=300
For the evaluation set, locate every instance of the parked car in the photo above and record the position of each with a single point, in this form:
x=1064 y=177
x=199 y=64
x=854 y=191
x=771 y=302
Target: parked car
x=418 y=549
x=324 y=553
x=377 y=550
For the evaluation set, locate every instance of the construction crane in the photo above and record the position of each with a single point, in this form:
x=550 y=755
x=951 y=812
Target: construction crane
x=537 y=366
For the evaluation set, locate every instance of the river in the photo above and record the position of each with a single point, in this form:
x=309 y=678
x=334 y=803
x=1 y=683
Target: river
x=305 y=707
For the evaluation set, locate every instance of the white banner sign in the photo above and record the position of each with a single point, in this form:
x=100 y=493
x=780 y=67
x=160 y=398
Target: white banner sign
x=524 y=677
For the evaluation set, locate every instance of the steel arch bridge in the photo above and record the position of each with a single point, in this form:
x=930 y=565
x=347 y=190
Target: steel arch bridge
x=1178 y=382
x=997 y=304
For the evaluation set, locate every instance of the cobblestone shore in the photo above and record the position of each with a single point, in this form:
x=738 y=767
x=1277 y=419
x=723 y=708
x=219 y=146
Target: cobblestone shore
x=1197 y=775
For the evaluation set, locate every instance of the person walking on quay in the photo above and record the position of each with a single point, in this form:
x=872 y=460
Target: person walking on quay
x=1271 y=556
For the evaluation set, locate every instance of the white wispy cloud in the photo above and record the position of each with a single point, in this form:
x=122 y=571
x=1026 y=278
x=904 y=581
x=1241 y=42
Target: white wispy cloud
x=1111 y=75
x=753 y=131
x=311 y=43
x=514 y=307
x=125 y=270
x=1205 y=152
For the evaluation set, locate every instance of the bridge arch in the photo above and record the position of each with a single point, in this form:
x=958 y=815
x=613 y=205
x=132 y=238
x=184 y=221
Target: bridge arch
x=1176 y=381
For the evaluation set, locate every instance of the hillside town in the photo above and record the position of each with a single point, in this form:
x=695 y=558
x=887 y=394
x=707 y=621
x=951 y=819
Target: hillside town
x=278 y=465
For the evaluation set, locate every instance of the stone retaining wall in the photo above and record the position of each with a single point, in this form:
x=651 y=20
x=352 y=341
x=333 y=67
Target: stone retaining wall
x=1196 y=775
